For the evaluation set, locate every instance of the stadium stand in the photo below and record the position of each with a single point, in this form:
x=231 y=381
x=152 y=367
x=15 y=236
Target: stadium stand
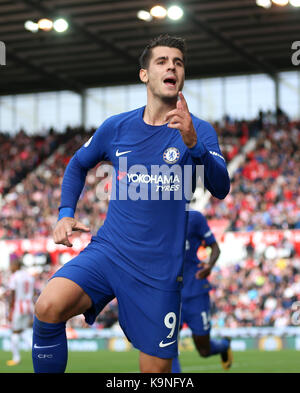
x=36 y=198
x=256 y=292
x=24 y=153
x=265 y=189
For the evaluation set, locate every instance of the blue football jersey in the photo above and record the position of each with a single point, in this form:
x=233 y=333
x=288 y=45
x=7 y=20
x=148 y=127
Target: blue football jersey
x=198 y=232
x=145 y=228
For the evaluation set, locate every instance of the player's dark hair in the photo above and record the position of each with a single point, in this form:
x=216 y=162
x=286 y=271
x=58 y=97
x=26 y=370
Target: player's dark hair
x=162 y=40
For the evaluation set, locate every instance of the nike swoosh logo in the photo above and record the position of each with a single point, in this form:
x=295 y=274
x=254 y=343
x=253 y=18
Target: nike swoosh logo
x=118 y=154
x=162 y=344
x=88 y=142
x=47 y=346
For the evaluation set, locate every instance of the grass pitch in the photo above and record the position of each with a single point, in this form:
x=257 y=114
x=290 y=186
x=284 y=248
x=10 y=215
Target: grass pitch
x=104 y=361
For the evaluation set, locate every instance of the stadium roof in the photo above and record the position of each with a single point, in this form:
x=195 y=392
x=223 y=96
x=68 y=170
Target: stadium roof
x=105 y=38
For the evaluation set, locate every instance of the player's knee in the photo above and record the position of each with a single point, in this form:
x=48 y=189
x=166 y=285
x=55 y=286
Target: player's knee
x=203 y=352
x=48 y=310
x=156 y=368
x=164 y=369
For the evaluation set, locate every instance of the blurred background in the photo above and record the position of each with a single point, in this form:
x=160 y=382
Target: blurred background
x=67 y=65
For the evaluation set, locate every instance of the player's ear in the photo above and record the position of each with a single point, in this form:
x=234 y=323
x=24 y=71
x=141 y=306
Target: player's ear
x=143 y=75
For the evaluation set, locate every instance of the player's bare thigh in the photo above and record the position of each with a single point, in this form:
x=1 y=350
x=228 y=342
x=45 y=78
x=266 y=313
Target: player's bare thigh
x=153 y=364
x=61 y=300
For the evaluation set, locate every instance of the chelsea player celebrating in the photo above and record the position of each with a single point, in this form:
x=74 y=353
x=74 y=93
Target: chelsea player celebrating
x=137 y=255
x=195 y=292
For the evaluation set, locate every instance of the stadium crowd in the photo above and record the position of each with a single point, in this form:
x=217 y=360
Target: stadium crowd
x=24 y=153
x=265 y=192
x=30 y=209
x=256 y=292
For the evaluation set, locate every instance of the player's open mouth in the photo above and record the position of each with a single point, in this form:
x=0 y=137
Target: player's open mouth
x=170 y=82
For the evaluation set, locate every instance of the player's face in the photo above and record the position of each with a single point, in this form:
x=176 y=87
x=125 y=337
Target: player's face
x=165 y=74
x=13 y=266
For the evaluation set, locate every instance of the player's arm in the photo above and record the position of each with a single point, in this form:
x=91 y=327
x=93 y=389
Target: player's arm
x=89 y=155
x=11 y=303
x=206 y=268
x=204 y=233
x=72 y=185
x=10 y=294
x=216 y=178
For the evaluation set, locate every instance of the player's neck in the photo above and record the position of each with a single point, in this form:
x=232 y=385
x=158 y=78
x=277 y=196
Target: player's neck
x=156 y=111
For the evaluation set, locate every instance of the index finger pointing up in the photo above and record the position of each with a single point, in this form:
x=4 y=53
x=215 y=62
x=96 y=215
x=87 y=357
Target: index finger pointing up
x=183 y=101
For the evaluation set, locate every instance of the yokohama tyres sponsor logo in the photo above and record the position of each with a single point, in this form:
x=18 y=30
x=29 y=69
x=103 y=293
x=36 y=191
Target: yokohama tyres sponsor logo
x=163 y=179
x=148 y=183
x=162 y=182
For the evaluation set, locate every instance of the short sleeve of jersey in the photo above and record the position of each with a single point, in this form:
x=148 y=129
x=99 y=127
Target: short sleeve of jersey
x=96 y=148
x=204 y=230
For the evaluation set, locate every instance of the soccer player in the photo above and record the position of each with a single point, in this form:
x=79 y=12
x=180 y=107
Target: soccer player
x=137 y=255
x=195 y=292
x=21 y=291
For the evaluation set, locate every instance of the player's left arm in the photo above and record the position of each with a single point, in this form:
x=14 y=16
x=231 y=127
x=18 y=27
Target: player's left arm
x=204 y=233
x=206 y=268
x=11 y=303
x=204 y=148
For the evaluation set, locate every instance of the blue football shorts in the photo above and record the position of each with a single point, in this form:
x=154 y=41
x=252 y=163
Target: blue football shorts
x=196 y=313
x=148 y=316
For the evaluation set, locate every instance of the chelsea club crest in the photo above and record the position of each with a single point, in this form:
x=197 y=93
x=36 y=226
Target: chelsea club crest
x=171 y=155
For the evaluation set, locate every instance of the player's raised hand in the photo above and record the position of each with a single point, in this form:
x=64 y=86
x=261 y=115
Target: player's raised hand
x=64 y=228
x=180 y=119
